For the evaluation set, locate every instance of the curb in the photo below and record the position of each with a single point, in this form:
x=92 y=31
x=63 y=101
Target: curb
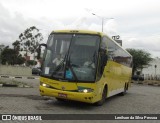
x=18 y=77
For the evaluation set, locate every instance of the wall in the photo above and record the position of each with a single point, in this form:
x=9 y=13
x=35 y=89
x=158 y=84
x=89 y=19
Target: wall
x=15 y=70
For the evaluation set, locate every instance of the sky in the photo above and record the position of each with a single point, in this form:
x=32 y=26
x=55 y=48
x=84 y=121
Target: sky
x=136 y=21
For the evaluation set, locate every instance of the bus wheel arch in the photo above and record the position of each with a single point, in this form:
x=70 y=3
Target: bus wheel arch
x=104 y=95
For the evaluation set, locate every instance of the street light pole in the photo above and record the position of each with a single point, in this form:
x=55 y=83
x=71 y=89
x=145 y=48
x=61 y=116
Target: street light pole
x=155 y=71
x=102 y=24
x=102 y=18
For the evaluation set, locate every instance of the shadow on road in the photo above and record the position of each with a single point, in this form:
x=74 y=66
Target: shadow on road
x=52 y=102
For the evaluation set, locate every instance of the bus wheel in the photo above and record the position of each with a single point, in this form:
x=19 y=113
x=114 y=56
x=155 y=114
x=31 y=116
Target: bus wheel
x=124 y=91
x=101 y=102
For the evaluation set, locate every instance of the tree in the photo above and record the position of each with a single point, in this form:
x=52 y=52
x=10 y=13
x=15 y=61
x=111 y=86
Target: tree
x=10 y=56
x=141 y=59
x=30 y=39
x=16 y=46
x=1 y=49
x=31 y=62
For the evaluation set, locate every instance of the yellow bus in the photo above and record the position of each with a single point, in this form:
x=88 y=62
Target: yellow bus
x=85 y=66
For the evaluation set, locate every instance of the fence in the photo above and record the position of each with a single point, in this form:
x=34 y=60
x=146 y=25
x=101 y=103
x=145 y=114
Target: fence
x=152 y=77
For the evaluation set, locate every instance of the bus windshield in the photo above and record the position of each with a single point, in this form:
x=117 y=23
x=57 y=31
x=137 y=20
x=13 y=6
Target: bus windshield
x=71 y=57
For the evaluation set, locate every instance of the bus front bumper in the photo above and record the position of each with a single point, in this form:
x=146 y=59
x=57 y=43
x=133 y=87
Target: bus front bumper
x=68 y=95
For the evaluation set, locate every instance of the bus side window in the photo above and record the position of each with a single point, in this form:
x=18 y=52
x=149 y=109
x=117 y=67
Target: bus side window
x=103 y=60
x=111 y=49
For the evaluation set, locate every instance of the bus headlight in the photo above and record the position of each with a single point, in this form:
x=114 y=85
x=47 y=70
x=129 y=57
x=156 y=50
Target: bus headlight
x=44 y=85
x=87 y=90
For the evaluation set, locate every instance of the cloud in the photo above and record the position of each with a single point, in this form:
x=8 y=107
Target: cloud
x=137 y=22
x=149 y=43
x=11 y=26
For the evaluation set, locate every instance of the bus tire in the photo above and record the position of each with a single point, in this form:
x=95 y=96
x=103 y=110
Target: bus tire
x=101 y=102
x=124 y=91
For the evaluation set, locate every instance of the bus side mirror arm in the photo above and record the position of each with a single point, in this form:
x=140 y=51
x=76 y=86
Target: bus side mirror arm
x=39 y=50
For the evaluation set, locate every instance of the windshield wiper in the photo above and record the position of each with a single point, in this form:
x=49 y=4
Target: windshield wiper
x=70 y=67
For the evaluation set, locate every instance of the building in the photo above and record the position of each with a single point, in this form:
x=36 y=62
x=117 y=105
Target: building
x=153 y=70
x=30 y=56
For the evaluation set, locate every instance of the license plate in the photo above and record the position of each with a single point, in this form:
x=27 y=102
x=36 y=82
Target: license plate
x=62 y=95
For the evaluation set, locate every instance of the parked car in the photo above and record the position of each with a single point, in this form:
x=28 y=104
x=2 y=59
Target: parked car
x=36 y=71
x=138 y=77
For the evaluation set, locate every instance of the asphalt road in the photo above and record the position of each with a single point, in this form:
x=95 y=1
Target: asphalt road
x=140 y=99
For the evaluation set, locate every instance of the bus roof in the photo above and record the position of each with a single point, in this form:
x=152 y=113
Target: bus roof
x=78 y=31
